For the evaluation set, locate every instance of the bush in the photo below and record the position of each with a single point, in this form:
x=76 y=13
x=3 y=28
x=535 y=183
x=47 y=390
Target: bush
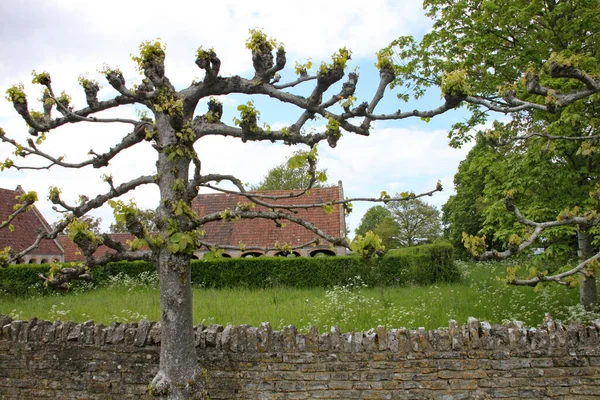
x=431 y=262
x=23 y=279
x=416 y=265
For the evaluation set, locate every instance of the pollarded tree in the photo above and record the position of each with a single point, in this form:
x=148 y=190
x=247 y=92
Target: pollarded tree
x=173 y=129
x=538 y=61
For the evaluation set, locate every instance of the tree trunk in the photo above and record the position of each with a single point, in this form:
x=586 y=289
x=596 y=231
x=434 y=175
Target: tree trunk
x=178 y=376
x=587 y=288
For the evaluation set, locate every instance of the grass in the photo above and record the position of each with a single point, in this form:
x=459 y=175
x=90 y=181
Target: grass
x=479 y=294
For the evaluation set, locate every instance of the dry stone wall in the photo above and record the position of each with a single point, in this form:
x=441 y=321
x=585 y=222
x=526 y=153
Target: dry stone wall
x=42 y=359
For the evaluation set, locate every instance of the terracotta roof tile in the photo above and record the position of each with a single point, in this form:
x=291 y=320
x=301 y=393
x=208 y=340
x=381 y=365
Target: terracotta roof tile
x=27 y=225
x=262 y=232
x=72 y=252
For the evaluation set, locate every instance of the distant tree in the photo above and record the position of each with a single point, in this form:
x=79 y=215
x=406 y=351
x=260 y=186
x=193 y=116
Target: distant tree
x=94 y=223
x=417 y=221
x=372 y=218
x=402 y=224
x=290 y=176
x=388 y=230
x=146 y=217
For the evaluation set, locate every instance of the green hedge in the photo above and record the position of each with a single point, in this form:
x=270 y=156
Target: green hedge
x=420 y=265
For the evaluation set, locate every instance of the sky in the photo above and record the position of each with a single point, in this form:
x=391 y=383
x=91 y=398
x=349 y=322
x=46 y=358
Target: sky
x=69 y=38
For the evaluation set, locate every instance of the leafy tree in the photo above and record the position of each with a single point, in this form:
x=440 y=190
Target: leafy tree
x=388 y=230
x=417 y=222
x=172 y=128
x=146 y=217
x=373 y=217
x=537 y=60
x=464 y=211
x=94 y=224
x=402 y=224
x=284 y=177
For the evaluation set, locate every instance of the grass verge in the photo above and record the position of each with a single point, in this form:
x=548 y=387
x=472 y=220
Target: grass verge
x=353 y=306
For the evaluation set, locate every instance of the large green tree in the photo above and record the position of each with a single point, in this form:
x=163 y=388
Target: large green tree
x=417 y=222
x=373 y=217
x=402 y=224
x=291 y=175
x=537 y=61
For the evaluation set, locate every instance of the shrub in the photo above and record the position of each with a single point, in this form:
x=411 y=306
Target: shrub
x=416 y=265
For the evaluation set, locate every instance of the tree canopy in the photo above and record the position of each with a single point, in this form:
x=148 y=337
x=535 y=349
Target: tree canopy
x=402 y=224
x=537 y=60
x=145 y=217
x=372 y=218
x=290 y=175
x=417 y=222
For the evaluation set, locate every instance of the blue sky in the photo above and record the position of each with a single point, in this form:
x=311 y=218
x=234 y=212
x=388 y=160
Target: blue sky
x=68 y=38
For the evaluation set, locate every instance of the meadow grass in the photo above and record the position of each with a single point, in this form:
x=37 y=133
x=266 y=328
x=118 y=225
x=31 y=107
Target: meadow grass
x=352 y=307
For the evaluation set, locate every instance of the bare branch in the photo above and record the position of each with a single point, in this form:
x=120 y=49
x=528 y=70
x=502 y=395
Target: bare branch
x=18 y=211
x=275 y=216
x=558 y=278
x=386 y=76
x=139 y=255
x=63 y=276
x=539 y=227
x=298 y=81
x=98 y=161
x=209 y=246
x=257 y=196
x=204 y=128
x=80 y=210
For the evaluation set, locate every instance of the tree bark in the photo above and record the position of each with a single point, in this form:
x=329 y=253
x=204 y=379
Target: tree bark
x=179 y=374
x=587 y=287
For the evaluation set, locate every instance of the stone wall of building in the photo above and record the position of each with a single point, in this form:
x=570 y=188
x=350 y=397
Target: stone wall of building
x=41 y=359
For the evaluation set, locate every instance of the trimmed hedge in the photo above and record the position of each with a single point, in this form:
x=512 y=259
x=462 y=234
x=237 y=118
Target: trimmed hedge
x=419 y=265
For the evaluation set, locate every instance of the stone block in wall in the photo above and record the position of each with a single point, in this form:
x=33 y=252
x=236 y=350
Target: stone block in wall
x=312 y=339
x=324 y=343
x=264 y=336
x=154 y=334
x=381 y=338
x=252 y=339
x=473 y=329
x=289 y=338
x=336 y=339
x=14 y=330
x=212 y=335
x=276 y=342
x=142 y=332
x=370 y=341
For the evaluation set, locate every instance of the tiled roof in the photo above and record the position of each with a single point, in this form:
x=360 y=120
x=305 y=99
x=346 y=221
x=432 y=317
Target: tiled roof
x=72 y=252
x=26 y=226
x=262 y=232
